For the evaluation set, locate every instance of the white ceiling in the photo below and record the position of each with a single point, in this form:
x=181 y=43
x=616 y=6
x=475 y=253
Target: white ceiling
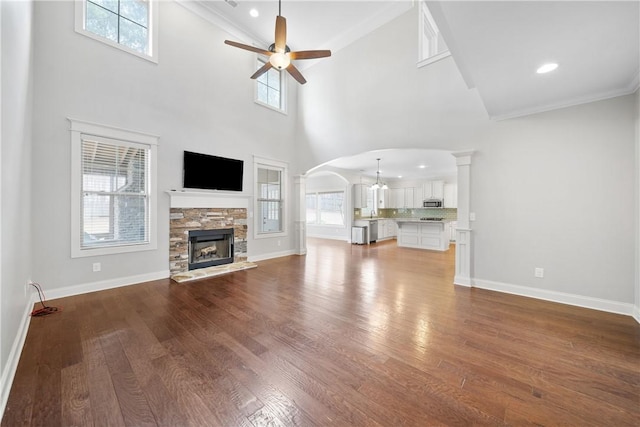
x=396 y=163
x=496 y=45
x=499 y=45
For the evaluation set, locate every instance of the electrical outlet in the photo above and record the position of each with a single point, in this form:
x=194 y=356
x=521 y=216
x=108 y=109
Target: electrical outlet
x=538 y=272
x=472 y=216
x=97 y=267
x=279 y=242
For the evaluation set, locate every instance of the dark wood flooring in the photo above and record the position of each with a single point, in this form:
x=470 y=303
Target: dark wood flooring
x=346 y=335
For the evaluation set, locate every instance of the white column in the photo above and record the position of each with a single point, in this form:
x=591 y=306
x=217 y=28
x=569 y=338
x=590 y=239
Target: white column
x=463 y=231
x=300 y=214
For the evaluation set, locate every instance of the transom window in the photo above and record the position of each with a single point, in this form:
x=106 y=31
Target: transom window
x=432 y=45
x=270 y=88
x=125 y=24
x=325 y=208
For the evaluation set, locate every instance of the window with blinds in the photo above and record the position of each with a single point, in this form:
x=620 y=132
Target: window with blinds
x=270 y=191
x=113 y=186
x=115 y=203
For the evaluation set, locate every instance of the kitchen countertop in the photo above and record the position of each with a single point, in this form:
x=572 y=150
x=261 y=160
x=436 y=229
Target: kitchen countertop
x=403 y=219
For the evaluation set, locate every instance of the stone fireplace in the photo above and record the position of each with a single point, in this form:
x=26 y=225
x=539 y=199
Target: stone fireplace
x=217 y=234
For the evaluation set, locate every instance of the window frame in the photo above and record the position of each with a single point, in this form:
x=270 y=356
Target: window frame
x=318 y=209
x=260 y=61
x=152 y=49
x=427 y=25
x=79 y=130
x=262 y=163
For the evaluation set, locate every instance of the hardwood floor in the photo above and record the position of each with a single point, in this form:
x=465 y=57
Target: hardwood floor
x=346 y=335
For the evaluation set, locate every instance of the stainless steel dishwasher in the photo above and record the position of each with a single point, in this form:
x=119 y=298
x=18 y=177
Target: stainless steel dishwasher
x=373 y=230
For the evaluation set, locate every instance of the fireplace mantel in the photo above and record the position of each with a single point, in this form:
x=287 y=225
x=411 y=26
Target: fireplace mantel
x=205 y=199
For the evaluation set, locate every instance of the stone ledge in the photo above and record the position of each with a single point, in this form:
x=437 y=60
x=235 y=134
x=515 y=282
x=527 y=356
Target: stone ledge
x=216 y=270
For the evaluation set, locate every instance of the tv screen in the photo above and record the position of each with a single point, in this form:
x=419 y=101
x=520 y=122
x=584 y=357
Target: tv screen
x=207 y=172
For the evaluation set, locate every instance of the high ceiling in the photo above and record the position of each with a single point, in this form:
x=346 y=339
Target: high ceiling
x=496 y=45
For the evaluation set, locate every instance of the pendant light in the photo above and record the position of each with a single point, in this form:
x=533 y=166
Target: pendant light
x=378 y=184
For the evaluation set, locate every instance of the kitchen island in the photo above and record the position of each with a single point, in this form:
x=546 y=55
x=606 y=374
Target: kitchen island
x=423 y=234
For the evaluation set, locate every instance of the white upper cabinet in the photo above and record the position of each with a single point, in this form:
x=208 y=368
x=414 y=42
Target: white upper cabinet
x=433 y=190
x=360 y=196
x=451 y=195
x=383 y=198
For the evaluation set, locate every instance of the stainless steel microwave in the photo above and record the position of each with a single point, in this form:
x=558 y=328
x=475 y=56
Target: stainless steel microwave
x=433 y=203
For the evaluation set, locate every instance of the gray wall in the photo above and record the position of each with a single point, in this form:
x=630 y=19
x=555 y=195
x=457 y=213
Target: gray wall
x=637 y=303
x=15 y=235
x=198 y=97
x=552 y=190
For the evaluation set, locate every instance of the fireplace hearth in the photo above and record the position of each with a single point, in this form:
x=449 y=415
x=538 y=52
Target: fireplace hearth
x=210 y=247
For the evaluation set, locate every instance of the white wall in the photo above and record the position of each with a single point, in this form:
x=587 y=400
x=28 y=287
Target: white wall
x=198 y=97
x=554 y=190
x=16 y=244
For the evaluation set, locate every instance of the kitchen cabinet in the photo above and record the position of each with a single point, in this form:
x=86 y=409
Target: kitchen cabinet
x=432 y=235
x=451 y=195
x=405 y=198
x=382 y=196
x=386 y=229
x=362 y=196
x=433 y=189
x=396 y=198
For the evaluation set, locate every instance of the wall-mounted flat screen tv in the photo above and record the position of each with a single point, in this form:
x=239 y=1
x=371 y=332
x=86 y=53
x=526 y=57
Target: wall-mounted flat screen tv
x=203 y=171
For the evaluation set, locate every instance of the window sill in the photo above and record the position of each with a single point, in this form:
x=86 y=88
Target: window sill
x=270 y=107
x=77 y=252
x=432 y=59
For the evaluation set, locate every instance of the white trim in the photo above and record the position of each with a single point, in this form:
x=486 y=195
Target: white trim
x=555 y=296
x=636 y=313
x=151 y=55
x=566 y=104
x=271 y=255
x=10 y=367
x=78 y=129
x=102 y=285
x=200 y=199
x=434 y=58
x=264 y=163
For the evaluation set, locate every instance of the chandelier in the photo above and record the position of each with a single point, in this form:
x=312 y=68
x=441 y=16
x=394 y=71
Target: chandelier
x=378 y=184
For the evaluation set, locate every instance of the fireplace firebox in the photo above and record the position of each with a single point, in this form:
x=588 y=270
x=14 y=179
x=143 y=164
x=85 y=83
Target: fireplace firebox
x=210 y=247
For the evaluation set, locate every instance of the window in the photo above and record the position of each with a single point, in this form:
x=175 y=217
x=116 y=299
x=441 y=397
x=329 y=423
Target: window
x=125 y=24
x=325 y=208
x=432 y=46
x=113 y=184
x=270 y=194
x=270 y=88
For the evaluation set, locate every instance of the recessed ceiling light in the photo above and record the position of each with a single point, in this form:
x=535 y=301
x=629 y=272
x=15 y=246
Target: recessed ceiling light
x=254 y=13
x=399 y=176
x=547 y=68
x=422 y=166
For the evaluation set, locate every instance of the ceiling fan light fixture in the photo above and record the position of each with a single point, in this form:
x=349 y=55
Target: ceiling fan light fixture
x=280 y=60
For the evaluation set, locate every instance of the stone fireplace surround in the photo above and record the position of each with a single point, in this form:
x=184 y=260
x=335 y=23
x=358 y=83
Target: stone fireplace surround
x=204 y=211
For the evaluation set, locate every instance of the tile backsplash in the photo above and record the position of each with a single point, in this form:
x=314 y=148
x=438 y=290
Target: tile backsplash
x=450 y=214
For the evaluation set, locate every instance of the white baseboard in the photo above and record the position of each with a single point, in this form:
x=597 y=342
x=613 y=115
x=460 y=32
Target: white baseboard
x=105 y=284
x=561 y=297
x=462 y=281
x=636 y=313
x=322 y=236
x=9 y=369
x=271 y=255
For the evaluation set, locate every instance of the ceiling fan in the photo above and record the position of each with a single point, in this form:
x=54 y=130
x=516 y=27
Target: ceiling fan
x=280 y=56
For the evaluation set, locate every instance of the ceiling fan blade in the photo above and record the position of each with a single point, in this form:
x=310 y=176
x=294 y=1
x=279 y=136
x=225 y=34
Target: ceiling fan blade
x=266 y=67
x=295 y=73
x=281 y=34
x=247 y=47
x=310 y=54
